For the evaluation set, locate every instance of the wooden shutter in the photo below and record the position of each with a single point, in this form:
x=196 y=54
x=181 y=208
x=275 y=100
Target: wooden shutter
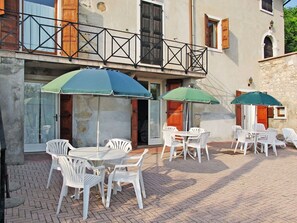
x=206 y=32
x=134 y=123
x=262 y=115
x=2 y=7
x=66 y=117
x=225 y=33
x=238 y=110
x=174 y=109
x=70 y=34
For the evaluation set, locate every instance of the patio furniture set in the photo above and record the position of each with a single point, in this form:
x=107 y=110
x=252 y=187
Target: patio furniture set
x=258 y=136
x=112 y=159
x=195 y=138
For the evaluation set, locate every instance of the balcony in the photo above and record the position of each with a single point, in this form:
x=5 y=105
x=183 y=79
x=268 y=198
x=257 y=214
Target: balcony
x=38 y=35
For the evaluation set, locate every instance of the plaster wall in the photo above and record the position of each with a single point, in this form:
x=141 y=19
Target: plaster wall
x=114 y=119
x=278 y=76
x=230 y=69
x=12 y=107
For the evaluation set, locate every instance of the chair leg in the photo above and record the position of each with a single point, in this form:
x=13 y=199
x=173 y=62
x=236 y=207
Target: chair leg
x=109 y=187
x=245 y=149
x=199 y=154
x=86 y=202
x=142 y=185
x=266 y=149
x=274 y=149
x=171 y=153
x=163 y=151
x=76 y=195
x=49 y=177
x=62 y=194
x=235 y=146
x=206 y=150
x=136 y=186
x=101 y=189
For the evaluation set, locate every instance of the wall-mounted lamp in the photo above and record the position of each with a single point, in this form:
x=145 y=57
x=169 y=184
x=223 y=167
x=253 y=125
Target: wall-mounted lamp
x=250 y=81
x=271 y=24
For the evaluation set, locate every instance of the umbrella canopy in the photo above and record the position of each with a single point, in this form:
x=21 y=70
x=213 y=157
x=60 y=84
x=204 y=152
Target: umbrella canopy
x=187 y=94
x=256 y=98
x=101 y=82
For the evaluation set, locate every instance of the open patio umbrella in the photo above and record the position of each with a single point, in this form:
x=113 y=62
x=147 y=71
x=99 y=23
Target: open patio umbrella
x=189 y=95
x=256 y=98
x=101 y=82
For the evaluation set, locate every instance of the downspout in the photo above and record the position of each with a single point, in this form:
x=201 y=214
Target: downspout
x=191 y=21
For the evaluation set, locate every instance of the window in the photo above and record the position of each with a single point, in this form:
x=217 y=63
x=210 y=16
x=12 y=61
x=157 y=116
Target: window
x=268 y=47
x=280 y=112
x=216 y=32
x=267 y=5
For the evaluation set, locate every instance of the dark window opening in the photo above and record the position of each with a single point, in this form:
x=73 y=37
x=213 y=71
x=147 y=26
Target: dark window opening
x=268 y=47
x=267 y=5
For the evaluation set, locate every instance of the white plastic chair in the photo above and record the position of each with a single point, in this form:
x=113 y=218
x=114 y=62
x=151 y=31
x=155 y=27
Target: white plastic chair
x=268 y=141
x=56 y=147
x=280 y=143
x=290 y=136
x=235 y=129
x=122 y=173
x=122 y=144
x=170 y=141
x=74 y=175
x=259 y=127
x=244 y=138
x=200 y=143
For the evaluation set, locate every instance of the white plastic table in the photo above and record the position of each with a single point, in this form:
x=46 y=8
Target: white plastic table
x=185 y=135
x=97 y=154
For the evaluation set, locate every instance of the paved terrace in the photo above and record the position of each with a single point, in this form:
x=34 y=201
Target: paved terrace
x=228 y=188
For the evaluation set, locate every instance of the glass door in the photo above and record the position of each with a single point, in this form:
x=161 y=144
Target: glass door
x=40 y=112
x=155 y=115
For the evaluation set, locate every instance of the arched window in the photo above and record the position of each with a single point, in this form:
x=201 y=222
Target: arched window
x=268 y=48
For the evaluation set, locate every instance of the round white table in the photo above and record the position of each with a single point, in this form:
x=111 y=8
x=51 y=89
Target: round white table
x=185 y=135
x=97 y=154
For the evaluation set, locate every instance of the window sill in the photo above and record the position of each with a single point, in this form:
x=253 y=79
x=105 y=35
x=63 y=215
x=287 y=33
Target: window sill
x=214 y=50
x=267 y=12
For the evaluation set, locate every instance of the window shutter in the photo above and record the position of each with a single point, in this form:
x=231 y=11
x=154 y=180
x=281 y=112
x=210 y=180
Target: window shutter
x=2 y=5
x=225 y=33
x=207 y=43
x=70 y=34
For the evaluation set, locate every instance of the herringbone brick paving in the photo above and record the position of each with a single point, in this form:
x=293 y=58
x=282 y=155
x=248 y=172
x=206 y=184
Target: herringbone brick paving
x=227 y=188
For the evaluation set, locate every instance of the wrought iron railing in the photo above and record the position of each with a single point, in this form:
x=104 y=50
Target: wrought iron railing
x=38 y=35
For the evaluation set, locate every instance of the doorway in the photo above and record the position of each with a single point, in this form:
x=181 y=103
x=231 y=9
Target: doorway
x=149 y=116
x=40 y=117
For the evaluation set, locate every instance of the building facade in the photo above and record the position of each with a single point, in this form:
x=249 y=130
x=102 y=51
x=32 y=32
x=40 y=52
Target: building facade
x=214 y=45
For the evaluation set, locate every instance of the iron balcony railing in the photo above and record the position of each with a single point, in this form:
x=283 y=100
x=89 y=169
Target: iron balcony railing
x=41 y=35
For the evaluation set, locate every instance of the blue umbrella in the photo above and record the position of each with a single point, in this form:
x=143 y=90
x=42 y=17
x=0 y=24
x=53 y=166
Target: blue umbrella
x=101 y=82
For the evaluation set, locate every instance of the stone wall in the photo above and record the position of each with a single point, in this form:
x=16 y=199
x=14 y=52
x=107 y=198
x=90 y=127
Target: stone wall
x=12 y=107
x=278 y=76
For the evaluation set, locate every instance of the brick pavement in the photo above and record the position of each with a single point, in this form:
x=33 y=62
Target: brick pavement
x=228 y=188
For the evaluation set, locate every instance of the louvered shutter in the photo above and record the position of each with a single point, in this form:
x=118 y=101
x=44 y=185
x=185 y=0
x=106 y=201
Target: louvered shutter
x=207 y=43
x=2 y=7
x=70 y=34
x=225 y=33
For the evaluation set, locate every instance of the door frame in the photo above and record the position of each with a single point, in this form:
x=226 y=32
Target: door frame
x=40 y=147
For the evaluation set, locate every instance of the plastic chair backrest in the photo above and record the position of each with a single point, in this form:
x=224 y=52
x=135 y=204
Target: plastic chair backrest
x=203 y=139
x=140 y=161
x=271 y=137
x=259 y=127
x=173 y=128
x=122 y=144
x=235 y=129
x=289 y=134
x=196 y=130
x=242 y=135
x=73 y=170
x=168 y=136
x=57 y=146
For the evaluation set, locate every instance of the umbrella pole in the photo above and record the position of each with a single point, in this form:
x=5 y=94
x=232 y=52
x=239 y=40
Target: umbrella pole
x=97 y=132
x=187 y=115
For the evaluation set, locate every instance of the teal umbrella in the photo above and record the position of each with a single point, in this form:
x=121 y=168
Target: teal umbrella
x=189 y=95
x=101 y=82
x=256 y=98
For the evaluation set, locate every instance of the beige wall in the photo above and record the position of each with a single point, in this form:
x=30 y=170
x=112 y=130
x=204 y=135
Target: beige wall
x=230 y=69
x=278 y=76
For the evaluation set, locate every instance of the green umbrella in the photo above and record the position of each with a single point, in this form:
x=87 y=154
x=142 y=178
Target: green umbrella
x=189 y=95
x=256 y=98
x=101 y=82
